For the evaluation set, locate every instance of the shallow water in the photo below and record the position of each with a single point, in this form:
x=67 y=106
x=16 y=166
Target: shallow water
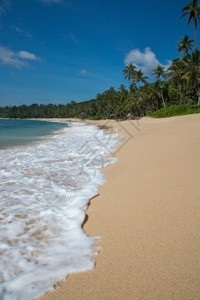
x=15 y=132
x=44 y=192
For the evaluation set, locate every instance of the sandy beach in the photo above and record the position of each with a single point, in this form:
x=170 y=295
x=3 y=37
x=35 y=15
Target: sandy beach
x=147 y=215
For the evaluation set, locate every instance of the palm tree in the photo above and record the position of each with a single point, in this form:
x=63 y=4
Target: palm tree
x=129 y=71
x=192 y=9
x=139 y=77
x=185 y=44
x=185 y=73
x=192 y=73
x=159 y=72
x=176 y=72
x=135 y=76
x=122 y=89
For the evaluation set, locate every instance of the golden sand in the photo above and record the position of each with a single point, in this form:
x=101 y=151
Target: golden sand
x=148 y=216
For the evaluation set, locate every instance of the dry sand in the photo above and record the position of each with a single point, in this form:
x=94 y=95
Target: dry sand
x=148 y=215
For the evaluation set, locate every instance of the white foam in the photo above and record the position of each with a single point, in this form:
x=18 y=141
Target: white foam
x=44 y=192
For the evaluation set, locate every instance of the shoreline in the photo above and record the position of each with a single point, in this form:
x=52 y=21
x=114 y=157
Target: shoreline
x=147 y=214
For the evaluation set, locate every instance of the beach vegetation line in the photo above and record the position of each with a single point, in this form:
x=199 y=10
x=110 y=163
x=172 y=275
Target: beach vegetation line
x=175 y=110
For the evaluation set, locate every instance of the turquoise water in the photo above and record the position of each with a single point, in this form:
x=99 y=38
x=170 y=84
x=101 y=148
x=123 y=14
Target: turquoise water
x=21 y=132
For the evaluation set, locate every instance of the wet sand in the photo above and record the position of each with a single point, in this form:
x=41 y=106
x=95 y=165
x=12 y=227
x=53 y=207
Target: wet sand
x=148 y=216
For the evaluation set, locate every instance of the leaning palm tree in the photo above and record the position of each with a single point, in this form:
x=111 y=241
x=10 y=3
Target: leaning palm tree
x=192 y=10
x=185 y=44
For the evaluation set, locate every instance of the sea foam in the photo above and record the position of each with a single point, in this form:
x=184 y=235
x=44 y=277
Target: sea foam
x=44 y=193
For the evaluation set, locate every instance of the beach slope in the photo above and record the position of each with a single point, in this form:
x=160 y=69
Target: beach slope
x=148 y=216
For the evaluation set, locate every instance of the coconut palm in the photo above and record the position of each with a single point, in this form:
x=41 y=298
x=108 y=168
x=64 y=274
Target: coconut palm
x=176 y=72
x=159 y=72
x=129 y=71
x=192 y=74
x=192 y=10
x=139 y=77
x=185 y=44
x=185 y=73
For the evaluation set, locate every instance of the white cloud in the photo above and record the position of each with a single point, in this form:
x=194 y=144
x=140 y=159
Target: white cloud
x=27 y=55
x=8 y=57
x=16 y=59
x=146 y=61
x=84 y=72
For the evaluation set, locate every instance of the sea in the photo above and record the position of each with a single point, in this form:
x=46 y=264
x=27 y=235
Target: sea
x=49 y=171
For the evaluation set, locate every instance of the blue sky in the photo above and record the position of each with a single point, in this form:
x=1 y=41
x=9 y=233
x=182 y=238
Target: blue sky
x=56 y=51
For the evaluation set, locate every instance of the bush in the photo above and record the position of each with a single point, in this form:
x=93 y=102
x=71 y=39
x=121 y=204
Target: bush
x=175 y=110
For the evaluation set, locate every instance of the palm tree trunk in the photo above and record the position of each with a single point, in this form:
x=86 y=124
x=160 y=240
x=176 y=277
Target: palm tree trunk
x=163 y=100
x=198 y=95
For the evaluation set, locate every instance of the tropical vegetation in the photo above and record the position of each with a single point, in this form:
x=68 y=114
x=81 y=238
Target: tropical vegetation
x=174 y=91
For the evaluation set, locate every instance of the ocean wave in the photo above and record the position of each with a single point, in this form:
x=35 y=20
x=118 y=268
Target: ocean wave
x=44 y=193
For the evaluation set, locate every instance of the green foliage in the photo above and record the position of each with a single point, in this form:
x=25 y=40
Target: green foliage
x=175 y=110
x=109 y=104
